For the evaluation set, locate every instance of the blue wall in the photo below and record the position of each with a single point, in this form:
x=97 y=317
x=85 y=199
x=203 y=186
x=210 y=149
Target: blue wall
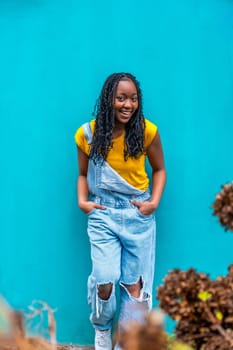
x=54 y=58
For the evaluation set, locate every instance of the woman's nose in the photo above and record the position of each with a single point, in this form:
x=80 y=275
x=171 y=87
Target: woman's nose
x=127 y=103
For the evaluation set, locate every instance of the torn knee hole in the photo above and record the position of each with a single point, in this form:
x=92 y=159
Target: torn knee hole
x=104 y=291
x=134 y=289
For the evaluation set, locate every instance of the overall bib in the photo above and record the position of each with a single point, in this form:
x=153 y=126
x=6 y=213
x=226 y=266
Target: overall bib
x=122 y=244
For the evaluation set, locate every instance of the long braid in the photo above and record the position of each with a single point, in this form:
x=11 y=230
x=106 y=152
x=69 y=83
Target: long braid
x=105 y=121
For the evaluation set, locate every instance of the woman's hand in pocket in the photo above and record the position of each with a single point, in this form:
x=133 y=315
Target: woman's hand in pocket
x=145 y=208
x=88 y=206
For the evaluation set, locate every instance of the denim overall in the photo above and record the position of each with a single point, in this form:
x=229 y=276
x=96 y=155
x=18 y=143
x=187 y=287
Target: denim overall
x=122 y=244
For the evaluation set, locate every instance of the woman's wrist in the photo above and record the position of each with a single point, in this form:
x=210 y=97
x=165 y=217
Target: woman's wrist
x=81 y=203
x=154 y=203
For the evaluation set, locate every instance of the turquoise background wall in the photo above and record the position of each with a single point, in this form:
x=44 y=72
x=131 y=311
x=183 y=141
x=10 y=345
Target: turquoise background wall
x=54 y=58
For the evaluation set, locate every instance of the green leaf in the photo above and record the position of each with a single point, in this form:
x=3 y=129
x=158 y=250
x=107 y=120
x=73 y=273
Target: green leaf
x=171 y=336
x=177 y=345
x=219 y=315
x=204 y=295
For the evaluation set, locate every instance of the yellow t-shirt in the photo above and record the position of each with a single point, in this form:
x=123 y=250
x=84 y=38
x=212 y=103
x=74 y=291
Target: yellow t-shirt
x=133 y=170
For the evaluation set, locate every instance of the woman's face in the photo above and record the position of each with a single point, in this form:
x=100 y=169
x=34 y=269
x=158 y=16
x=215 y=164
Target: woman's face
x=126 y=101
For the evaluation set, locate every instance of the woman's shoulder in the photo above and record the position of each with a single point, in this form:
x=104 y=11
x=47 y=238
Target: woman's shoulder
x=80 y=129
x=150 y=131
x=150 y=125
x=90 y=122
x=80 y=132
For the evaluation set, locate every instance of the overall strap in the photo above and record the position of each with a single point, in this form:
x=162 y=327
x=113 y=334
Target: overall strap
x=87 y=132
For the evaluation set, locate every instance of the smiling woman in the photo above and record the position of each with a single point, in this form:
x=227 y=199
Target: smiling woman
x=125 y=104
x=113 y=190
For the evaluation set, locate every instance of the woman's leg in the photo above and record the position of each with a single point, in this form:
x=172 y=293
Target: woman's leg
x=106 y=257
x=137 y=266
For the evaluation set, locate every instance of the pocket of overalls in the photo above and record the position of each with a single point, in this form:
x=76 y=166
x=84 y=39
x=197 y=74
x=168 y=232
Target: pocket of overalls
x=144 y=216
x=104 y=178
x=107 y=178
x=91 y=212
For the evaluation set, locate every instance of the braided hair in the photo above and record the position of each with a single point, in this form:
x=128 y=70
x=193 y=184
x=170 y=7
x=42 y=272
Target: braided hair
x=105 y=121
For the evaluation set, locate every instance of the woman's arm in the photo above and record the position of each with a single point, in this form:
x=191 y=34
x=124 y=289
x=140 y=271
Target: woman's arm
x=82 y=187
x=156 y=159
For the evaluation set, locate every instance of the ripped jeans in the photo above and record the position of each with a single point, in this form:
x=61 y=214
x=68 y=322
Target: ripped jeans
x=122 y=250
x=122 y=244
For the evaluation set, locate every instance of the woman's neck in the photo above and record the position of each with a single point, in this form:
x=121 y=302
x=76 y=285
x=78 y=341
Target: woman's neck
x=118 y=131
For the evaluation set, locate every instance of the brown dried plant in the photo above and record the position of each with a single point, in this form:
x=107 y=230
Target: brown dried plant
x=13 y=329
x=148 y=335
x=203 y=308
x=223 y=206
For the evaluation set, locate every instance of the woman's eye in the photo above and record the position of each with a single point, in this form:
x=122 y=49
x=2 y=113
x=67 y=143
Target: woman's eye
x=134 y=99
x=120 y=98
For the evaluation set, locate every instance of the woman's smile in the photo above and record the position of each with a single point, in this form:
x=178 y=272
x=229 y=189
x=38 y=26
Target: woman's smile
x=126 y=101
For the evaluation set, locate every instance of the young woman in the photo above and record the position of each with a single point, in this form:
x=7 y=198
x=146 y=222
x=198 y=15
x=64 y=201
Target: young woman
x=113 y=191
